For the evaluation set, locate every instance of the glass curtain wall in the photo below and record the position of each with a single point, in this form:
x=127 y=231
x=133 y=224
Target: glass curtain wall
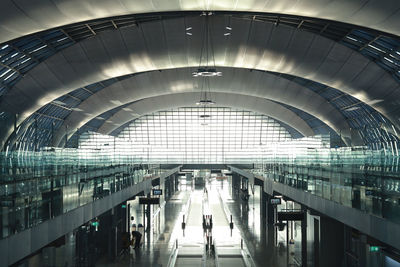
x=202 y=135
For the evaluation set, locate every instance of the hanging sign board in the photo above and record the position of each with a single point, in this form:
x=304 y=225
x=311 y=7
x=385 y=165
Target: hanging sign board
x=291 y=216
x=149 y=200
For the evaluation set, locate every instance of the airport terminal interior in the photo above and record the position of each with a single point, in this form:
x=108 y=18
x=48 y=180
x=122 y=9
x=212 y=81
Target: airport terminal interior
x=209 y=133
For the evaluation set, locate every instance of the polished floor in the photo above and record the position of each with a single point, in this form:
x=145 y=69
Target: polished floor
x=265 y=247
x=156 y=247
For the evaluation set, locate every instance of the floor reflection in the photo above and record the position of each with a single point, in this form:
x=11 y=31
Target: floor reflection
x=266 y=246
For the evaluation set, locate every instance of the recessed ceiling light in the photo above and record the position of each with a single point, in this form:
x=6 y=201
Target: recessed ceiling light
x=352 y=108
x=116 y=102
x=59 y=102
x=375 y=101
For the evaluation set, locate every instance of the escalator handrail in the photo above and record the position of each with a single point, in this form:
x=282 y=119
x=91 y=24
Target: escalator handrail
x=174 y=255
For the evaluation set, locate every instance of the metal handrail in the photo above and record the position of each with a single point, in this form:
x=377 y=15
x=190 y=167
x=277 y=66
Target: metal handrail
x=186 y=209
x=247 y=258
x=174 y=255
x=226 y=211
x=204 y=257
x=216 y=259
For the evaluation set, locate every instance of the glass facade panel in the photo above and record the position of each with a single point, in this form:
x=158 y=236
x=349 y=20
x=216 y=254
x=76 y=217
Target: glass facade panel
x=201 y=134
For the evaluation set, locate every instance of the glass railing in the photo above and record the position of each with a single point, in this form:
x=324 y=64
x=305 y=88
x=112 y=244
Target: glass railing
x=37 y=186
x=359 y=178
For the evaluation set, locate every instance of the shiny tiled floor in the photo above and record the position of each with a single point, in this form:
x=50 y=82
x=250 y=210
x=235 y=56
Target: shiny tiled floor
x=157 y=252
x=260 y=240
x=247 y=225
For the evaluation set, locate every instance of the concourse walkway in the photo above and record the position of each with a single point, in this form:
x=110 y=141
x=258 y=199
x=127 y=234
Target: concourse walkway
x=227 y=249
x=246 y=244
x=155 y=249
x=260 y=240
x=190 y=245
x=227 y=242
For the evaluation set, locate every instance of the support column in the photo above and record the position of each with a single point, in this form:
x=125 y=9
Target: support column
x=69 y=251
x=304 y=240
x=112 y=235
x=263 y=213
x=270 y=210
x=148 y=214
x=176 y=182
x=125 y=218
x=173 y=182
x=332 y=242
x=235 y=185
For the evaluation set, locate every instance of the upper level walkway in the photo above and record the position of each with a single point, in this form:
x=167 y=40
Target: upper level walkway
x=362 y=195
x=51 y=193
x=42 y=200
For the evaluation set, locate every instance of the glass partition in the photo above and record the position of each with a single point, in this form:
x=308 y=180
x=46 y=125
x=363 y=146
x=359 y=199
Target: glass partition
x=37 y=186
x=368 y=180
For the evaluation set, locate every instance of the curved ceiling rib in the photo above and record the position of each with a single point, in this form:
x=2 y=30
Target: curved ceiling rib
x=234 y=80
x=361 y=118
x=132 y=50
x=245 y=102
x=25 y=17
x=19 y=56
x=125 y=113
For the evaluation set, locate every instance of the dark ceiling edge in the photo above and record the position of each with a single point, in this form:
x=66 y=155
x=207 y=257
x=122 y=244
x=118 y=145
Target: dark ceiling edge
x=177 y=14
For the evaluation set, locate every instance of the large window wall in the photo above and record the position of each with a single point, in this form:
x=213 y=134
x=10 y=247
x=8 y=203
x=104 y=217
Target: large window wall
x=203 y=135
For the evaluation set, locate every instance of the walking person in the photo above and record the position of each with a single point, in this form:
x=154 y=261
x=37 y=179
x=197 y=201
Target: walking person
x=137 y=237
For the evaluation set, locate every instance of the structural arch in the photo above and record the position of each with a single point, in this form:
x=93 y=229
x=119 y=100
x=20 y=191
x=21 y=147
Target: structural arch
x=327 y=61
x=234 y=80
x=26 y=17
x=245 y=102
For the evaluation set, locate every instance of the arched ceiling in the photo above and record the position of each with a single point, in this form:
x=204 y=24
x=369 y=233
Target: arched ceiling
x=19 y=18
x=253 y=45
x=128 y=112
x=378 y=47
x=234 y=80
x=20 y=55
x=159 y=45
x=170 y=101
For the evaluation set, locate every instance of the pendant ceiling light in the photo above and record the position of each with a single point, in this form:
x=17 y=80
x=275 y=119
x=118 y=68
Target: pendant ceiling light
x=207 y=52
x=205 y=69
